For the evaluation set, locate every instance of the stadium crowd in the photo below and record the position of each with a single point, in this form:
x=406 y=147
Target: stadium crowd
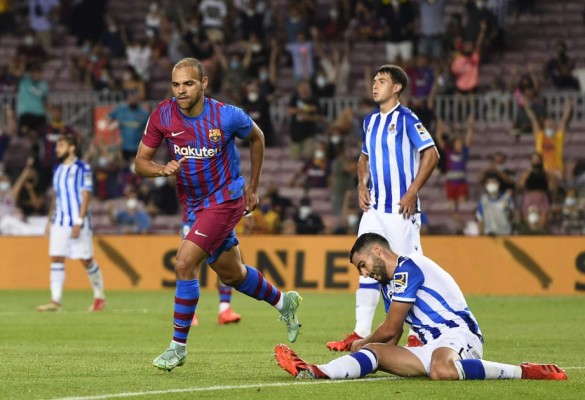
x=249 y=49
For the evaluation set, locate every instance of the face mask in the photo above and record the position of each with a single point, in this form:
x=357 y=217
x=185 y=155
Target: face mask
x=131 y=203
x=29 y=40
x=93 y=58
x=319 y=154
x=335 y=139
x=533 y=218
x=263 y=76
x=304 y=212
x=256 y=47
x=234 y=64
x=549 y=132
x=102 y=161
x=4 y=186
x=333 y=14
x=570 y=201
x=480 y=4
x=159 y=181
x=321 y=81
x=492 y=188
x=194 y=29
x=253 y=97
x=352 y=220
x=112 y=29
x=265 y=208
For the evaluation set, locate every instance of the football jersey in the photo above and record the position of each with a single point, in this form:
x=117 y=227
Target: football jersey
x=69 y=181
x=210 y=173
x=438 y=303
x=393 y=141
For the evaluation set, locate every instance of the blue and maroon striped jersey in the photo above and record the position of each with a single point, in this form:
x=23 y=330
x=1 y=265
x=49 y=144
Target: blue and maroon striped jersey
x=211 y=172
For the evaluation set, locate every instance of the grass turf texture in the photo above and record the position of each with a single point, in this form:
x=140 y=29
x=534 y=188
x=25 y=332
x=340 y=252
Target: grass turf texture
x=75 y=353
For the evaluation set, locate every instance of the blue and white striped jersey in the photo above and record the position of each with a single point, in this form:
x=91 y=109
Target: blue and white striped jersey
x=438 y=303
x=393 y=142
x=68 y=183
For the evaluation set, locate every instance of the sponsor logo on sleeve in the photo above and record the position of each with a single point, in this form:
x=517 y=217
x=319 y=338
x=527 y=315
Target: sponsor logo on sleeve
x=400 y=282
x=422 y=131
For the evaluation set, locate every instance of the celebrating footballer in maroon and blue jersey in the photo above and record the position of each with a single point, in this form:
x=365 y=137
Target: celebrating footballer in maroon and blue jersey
x=200 y=135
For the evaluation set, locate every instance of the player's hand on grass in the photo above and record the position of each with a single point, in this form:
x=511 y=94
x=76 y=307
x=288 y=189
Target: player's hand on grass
x=408 y=204
x=364 y=197
x=173 y=167
x=357 y=345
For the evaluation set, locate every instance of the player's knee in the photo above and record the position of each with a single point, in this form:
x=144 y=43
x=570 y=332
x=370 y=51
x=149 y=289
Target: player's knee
x=184 y=270
x=232 y=278
x=443 y=372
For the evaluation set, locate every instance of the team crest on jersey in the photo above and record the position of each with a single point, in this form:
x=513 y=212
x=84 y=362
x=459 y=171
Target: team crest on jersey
x=422 y=131
x=400 y=282
x=214 y=135
x=392 y=129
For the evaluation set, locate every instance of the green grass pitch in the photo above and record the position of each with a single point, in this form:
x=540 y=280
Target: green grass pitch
x=77 y=354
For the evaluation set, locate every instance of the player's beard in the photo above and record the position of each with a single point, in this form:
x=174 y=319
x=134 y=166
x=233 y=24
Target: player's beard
x=193 y=104
x=379 y=269
x=62 y=157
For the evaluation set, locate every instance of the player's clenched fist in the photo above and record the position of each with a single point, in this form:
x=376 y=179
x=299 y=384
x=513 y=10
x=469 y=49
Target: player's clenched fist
x=172 y=167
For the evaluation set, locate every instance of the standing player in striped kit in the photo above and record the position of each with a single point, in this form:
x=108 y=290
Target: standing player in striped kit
x=69 y=227
x=398 y=156
x=200 y=134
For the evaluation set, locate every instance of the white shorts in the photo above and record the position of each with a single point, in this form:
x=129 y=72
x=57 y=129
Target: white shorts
x=62 y=245
x=462 y=341
x=402 y=234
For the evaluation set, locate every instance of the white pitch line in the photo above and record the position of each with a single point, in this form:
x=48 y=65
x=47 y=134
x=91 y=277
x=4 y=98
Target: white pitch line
x=228 y=387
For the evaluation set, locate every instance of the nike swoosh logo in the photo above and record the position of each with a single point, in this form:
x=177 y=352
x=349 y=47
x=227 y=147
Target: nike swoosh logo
x=199 y=233
x=177 y=133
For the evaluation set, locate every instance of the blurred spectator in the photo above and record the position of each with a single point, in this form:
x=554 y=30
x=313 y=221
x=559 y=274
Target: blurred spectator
x=86 y=21
x=480 y=20
x=453 y=37
x=301 y=52
x=162 y=198
x=282 y=205
x=30 y=51
x=138 y=54
x=31 y=199
x=572 y=214
x=457 y=154
x=252 y=17
x=266 y=219
x=538 y=187
x=495 y=209
x=213 y=18
x=11 y=217
x=421 y=77
x=334 y=26
x=521 y=7
x=534 y=223
x=257 y=105
x=343 y=175
x=575 y=178
x=332 y=73
x=6 y=17
x=257 y=55
x=132 y=84
x=526 y=91
x=106 y=162
x=202 y=48
x=304 y=115
x=295 y=23
x=560 y=69
x=499 y=8
x=8 y=77
x=7 y=131
x=153 y=19
x=465 y=65
x=550 y=139
x=315 y=171
x=267 y=75
x=48 y=136
x=132 y=120
x=130 y=215
x=432 y=28
x=307 y=222
x=505 y=176
x=177 y=47
x=233 y=74
x=33 y=92
x=41 y=16
x=114 y=37
x=365 y=25
x=399 y=20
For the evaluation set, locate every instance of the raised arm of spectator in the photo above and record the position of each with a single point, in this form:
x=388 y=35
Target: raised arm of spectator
x=273 y=62
x=564 y=123
x=441 y=129
x=533 y=72
x=19 y=184
x=247 y=56
x=531 y=116
x=470 y=130
x=481 y=37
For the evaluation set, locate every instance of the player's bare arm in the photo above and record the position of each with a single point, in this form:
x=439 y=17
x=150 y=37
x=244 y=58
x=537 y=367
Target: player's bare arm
x=85 y=199
x=428 y=161
x=363 y=178
x=388 y=331
x=51 y=212
x=256 y=139
x=145 y=165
